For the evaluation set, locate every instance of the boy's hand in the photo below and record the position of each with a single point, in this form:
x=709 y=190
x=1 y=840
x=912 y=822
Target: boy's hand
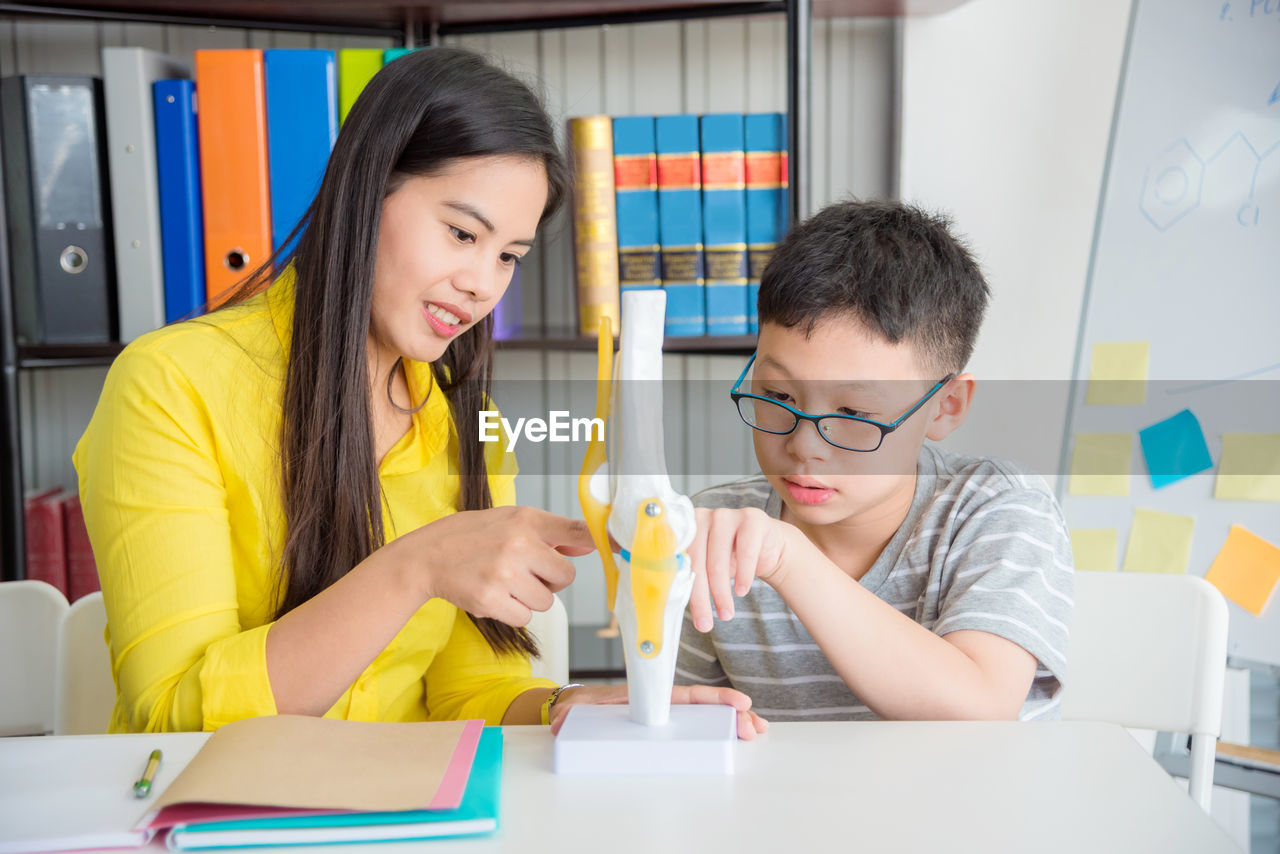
x=749 y=723
x=732 y=548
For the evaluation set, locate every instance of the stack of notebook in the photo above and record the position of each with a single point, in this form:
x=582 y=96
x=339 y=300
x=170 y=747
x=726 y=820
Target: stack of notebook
x=291 y=780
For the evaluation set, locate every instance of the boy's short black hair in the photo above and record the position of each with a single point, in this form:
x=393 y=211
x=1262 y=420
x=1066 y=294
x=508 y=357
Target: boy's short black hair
x=891 y=266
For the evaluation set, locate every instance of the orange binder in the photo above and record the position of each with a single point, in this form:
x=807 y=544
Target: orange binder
x=232 y=111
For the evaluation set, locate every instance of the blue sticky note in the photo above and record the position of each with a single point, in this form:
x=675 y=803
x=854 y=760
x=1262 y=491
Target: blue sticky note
x=1174 y=449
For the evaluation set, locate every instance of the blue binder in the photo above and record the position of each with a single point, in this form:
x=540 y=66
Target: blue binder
x=181 y=220
x=302 y=126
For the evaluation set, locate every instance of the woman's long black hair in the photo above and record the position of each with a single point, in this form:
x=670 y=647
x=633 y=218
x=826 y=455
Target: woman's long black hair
x=419 y=114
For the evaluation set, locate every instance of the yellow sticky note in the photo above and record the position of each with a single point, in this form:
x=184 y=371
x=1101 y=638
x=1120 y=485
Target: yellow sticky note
x=1158 y=542
x=1246 y=570
x=1250 y=467
x=1118 y=373
x=1094 y=549
x=1100 y=464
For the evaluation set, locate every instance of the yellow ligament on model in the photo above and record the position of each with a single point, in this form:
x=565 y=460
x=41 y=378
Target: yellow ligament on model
x=594 y=511
x=653 y=568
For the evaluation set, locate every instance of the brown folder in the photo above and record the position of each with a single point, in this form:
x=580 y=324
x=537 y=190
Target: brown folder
x=296 y=762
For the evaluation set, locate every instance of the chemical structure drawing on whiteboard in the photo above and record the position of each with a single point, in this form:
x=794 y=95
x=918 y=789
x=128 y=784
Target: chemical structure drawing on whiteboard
x=1175 y=183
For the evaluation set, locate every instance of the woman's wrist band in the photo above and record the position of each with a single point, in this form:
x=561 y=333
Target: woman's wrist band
x=551 y=700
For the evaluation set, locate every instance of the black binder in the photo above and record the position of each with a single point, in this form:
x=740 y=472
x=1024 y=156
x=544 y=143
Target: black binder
x=57 y=200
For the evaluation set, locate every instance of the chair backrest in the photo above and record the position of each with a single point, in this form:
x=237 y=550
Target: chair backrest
x=86 y=692
x=30 y=612
x=551 y=628
x=1147 y=651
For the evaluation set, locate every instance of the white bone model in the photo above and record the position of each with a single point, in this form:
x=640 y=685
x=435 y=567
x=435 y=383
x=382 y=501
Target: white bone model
x=629 y=496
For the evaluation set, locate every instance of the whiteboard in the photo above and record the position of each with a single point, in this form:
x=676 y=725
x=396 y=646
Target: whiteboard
x=1186 y=256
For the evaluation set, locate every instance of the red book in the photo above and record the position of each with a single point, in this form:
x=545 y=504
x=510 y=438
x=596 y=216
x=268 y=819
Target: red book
x=82 y=570
x=46 y=548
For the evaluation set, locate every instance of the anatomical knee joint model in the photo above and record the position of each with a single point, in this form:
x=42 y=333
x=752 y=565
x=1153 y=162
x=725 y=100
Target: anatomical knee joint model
x=625 y=493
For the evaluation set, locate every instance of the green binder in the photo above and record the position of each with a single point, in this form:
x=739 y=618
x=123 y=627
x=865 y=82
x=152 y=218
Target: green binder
x=356 y=67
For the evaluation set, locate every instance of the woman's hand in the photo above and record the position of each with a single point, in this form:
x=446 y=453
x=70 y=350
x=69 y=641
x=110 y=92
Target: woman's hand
x=732 y=548
x=504 y=563
x=749 y=723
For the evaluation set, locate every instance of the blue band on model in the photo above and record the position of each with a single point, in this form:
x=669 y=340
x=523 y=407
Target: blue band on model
x=626 y=555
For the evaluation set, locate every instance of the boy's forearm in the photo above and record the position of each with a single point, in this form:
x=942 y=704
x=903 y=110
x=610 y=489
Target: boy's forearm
x=898 y=668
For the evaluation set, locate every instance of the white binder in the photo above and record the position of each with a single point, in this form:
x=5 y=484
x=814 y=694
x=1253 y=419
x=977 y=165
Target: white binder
x=128 y=73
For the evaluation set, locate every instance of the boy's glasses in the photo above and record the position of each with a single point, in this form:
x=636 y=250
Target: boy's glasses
x=847 y=432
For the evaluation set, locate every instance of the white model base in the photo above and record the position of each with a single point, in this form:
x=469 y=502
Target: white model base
x=604 y=740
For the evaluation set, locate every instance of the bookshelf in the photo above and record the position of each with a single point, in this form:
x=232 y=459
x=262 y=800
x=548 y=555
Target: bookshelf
x=67 y=355
x=404 y=24
x=174 y=26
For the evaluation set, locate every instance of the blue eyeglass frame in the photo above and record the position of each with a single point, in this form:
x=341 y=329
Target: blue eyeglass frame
x=885 y=429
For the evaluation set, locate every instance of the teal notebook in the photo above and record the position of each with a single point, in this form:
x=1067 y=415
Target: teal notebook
x=477 y=814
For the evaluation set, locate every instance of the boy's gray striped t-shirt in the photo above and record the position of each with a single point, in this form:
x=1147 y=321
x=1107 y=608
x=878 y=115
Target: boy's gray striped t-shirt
x=984 y=546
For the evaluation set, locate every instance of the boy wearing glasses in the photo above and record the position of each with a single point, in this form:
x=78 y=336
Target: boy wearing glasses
x=875 y=576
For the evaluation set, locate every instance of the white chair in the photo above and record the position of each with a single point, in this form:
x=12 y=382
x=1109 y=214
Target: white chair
x=551 y=628
x=30 y=612
x=86 y=692
x=1150 y=651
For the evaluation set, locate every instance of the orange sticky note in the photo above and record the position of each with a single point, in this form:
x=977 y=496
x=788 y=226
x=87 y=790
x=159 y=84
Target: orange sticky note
x=1246 y=570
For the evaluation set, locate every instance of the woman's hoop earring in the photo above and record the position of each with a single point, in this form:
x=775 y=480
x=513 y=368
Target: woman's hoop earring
x=391 y=377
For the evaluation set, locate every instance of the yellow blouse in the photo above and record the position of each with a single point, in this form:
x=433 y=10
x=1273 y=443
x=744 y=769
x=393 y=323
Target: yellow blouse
x=179 y=478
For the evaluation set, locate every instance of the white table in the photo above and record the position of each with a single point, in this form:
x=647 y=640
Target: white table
x=1082 y=788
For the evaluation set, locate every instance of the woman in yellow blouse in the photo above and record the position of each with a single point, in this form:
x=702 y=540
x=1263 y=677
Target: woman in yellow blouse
x=287 y=498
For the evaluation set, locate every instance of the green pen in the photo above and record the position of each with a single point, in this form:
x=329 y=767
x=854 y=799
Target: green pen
x=142 y=788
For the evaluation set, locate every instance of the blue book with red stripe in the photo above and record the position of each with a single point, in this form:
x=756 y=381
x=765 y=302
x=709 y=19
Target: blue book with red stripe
x=724 y=223
x=680 y=224
x=635 y=168
x=765 y=135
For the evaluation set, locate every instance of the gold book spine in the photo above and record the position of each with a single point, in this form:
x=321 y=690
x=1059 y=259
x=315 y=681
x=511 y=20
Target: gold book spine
x=595 y=222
